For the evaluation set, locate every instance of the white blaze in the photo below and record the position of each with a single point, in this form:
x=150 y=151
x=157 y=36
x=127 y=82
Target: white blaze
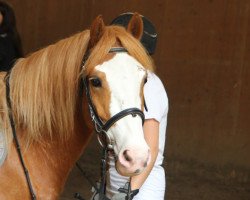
x=124 y=76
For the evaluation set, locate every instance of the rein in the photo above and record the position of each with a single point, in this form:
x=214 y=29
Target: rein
x=18 y=148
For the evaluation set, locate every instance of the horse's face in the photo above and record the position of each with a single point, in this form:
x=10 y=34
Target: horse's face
x=117 y=84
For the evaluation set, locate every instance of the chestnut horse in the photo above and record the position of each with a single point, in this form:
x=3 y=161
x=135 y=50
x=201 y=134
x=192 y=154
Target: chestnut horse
x=50 y=110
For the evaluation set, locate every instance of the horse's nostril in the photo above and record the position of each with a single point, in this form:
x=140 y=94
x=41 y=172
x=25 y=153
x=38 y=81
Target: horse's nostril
x=145 y=164
x=126 y=156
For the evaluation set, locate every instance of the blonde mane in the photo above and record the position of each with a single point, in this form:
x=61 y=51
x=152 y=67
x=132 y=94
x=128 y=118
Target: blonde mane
x=45 y=85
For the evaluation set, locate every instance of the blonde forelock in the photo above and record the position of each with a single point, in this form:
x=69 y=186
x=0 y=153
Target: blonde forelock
x=111 y=36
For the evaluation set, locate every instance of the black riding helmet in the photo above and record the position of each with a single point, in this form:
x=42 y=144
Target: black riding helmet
x=149 y=37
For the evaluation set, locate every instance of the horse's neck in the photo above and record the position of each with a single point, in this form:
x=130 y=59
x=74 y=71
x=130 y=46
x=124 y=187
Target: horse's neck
x=50 y=162
x=56 y=159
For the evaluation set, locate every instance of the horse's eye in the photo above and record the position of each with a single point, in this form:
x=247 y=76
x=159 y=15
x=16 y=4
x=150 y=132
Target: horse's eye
x=96 y=82
x=145 y=80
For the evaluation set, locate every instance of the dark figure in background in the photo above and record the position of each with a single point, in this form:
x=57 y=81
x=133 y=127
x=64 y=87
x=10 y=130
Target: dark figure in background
x=10 y=43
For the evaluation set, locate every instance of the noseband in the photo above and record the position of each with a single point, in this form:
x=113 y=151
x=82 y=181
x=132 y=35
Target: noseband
x=101 y=127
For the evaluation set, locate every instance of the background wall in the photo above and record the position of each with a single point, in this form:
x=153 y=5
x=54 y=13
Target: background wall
x=203 y=58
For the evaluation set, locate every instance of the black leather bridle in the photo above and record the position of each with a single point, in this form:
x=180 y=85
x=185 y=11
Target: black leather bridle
x=101 y=127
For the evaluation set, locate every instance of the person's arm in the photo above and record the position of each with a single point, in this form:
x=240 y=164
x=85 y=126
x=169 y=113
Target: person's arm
x=151 y=134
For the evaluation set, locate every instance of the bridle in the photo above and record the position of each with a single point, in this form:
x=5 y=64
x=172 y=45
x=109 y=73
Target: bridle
x=101 y=128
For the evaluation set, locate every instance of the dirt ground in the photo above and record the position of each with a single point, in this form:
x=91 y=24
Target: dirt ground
x=196 y=183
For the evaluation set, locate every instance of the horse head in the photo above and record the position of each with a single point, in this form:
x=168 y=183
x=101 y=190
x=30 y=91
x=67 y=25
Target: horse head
x=115 y=82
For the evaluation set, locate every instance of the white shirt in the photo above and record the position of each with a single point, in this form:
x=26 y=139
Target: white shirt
x=157 y=102
x=154 y=187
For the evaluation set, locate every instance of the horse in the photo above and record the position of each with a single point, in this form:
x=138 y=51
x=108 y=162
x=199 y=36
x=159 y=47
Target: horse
x=51 y=112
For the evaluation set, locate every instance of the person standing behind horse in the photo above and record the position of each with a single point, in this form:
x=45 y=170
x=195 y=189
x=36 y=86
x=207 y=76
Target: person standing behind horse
x=10 y=43
x=151 y=182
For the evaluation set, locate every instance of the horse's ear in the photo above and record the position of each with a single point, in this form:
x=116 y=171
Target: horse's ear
x=135 y=26
x=96 y=31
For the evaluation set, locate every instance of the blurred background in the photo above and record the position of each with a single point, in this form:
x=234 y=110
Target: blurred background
x=203 y=58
